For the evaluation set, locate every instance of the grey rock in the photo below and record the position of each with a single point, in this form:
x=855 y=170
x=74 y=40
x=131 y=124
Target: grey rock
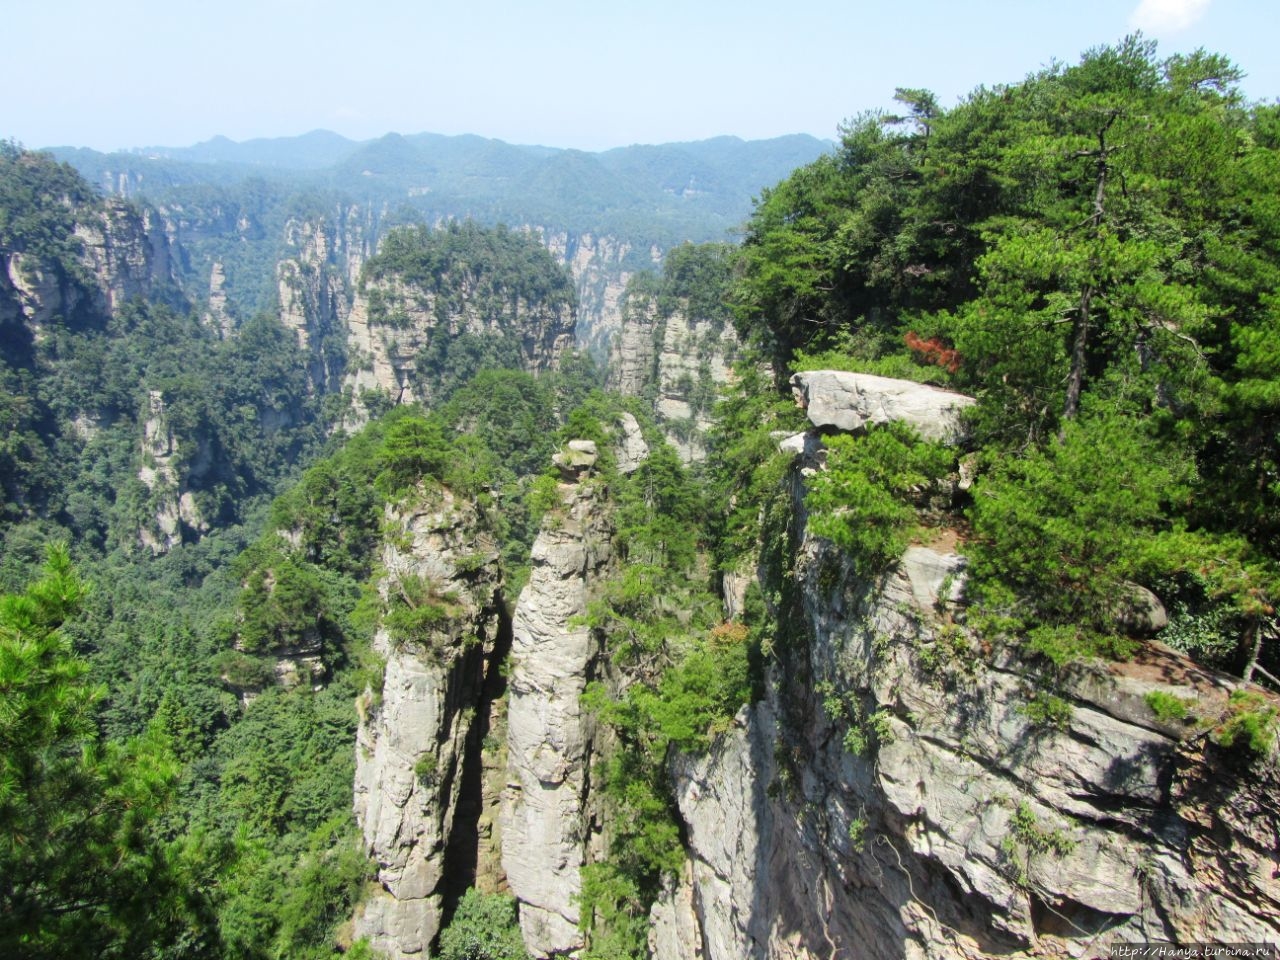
x=576 y=459
x=544 y=817
x=1140 y=612
x=681 y=362
x=632 y=450
x=930 y=841
x=411 y=740
x=851 y=401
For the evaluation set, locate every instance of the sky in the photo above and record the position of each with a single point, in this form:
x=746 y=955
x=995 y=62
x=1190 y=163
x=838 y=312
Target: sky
x=586 y=74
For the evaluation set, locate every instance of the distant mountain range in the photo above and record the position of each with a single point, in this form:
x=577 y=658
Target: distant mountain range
x=660 y=194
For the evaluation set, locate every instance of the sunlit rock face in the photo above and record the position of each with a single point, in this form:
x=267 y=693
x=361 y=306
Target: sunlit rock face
x=907 y=790
x=546 y=807
x=678 y=365
x=419 y=747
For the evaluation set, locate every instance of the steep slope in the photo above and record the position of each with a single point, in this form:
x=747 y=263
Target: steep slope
x=418 y=749
x=546 y=819
x=604 y=215
x=675 y=346
x=434 y=307
x=906 y=789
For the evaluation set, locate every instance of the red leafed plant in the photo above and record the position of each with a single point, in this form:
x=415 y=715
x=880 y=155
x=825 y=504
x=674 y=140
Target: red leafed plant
x=933 y=351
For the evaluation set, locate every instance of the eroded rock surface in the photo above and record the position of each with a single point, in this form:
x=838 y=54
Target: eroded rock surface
x=907 y=790
x=420 y=734
x=678 y=363
x=166 y=471
x=553 y=657
x=850 y=401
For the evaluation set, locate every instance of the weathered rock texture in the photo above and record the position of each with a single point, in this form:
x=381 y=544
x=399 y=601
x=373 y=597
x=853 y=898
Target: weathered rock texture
x=850 y=401
x=599 y=268
x=899 y=795
x=419 y=764
x=391 y=322
x=119 y=254
x=677 y=364
x=545 y=817
x=316 y=282
x=166 y=472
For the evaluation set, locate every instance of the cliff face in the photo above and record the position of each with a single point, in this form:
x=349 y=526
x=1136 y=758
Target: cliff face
x=546 y=828
x=598 y=267
x=898 y=794
x=120 y=253
x=166 y=472
x=677 y=364
x=316 y=287
x=420 y=793
x=392 y=323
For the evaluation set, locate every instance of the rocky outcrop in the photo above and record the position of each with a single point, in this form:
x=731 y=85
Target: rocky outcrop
x=677 y=364
x=419 y=750
x=217 y=314
x=119 y=255
x=913 y=803
x=392 y=322
x=850 y=401
x=166 y=472
x=631 y=449
x=909 y=790
x=600 y=268
x=545 y=818
x=315 y=286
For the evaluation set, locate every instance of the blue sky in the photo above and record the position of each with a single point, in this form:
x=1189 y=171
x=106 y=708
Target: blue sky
x=567 y=73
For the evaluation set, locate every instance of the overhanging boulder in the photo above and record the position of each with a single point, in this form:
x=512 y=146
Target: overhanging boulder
x=851 y=401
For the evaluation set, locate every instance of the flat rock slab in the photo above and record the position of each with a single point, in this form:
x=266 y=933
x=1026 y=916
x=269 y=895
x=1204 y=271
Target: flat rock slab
x=851 y=401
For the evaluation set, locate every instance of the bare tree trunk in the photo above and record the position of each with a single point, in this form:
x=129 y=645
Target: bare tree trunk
x=1080 y=329
x=1079 y=346
x=1254 y=650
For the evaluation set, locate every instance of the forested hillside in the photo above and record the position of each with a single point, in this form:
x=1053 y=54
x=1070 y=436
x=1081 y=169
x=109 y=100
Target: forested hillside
x=1091 y=253
x=353 y=617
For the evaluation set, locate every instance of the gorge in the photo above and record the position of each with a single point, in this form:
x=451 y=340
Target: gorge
x=898 y=582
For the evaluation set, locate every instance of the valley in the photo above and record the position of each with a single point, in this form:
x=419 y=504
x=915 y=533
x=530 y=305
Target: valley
x=435 y=547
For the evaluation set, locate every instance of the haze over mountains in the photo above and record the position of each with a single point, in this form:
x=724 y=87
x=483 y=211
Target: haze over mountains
x=655 y=194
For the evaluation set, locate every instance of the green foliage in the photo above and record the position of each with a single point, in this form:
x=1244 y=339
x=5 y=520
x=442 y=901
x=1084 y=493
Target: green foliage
x=282 y=604
x=745 y=467
x=857 y=833
x=1028 y=840
x=1251 y=722
x=1088 y=246
x=498 y=261
x=658 y=514
x=426 y=769
x=414 y=449
x=39 y=202
x=484 y=927
x=862 y=500
x=1047 y=710
x=615 y=913
x=694 y=700
x=83 y=867
x=1168 y=707
x=1061 y=529
x=504 y=277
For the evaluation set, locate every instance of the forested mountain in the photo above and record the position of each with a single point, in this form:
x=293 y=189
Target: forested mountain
x=642 y=195
x=912 y=595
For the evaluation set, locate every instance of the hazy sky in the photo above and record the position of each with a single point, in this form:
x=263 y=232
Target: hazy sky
x=566 y=73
